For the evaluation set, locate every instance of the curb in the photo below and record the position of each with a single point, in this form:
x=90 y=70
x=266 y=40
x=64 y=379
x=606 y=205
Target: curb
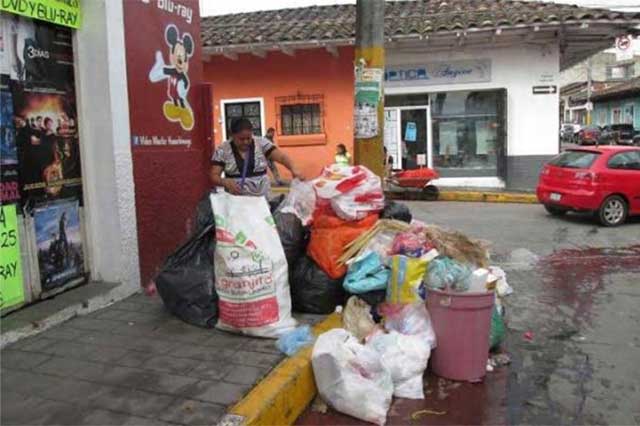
x=488 y=197
x=280 y=397
x=448 y=195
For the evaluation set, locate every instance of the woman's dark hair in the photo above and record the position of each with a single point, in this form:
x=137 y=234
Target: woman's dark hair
x=342 y=148
x=240 y=124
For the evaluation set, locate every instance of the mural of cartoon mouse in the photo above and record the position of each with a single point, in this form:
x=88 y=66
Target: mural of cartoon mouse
x=176 y=108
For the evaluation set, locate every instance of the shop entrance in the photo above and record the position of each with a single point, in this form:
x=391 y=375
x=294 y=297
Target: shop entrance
x=407 y=136
x=462 y=134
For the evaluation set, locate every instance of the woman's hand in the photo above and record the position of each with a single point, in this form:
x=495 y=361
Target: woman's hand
x=231 y=186
x=297 y=174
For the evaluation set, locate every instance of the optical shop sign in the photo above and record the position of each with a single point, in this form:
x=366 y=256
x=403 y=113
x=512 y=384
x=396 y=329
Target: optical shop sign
x=450 y=72
x=61 y=12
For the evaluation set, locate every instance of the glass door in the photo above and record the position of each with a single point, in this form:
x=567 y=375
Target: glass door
x=414 y=137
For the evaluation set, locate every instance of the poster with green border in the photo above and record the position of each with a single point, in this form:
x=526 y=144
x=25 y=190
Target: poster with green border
x=11 y=289
x=60 y=12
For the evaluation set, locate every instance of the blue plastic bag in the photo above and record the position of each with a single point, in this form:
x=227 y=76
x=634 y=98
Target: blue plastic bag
x=445 y=273
x=367 y=274
x=290 y=343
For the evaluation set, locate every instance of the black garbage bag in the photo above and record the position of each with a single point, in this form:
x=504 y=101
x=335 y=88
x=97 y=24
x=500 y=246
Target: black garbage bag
x=293 y=236
x=275 y=202
x=312 y=291
x=186 y=281
x=397 y=211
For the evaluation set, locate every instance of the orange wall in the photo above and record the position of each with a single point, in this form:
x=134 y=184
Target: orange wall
x=309 y=72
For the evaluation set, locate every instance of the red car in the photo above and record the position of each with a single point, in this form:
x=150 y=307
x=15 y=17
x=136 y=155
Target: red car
x=589 y=135
x=600 y=179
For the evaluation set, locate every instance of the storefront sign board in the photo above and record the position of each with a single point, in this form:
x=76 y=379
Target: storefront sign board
x=450 y=72
x=60 y=12
x=11 y=289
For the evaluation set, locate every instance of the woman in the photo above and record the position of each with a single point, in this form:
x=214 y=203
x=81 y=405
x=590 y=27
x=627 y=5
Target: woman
x=244 y=161
x=343 y=157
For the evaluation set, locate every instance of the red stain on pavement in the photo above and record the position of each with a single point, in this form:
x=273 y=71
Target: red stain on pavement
x=462 y=403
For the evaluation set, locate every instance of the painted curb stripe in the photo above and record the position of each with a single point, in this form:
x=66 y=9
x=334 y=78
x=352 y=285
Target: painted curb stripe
x=285 y=392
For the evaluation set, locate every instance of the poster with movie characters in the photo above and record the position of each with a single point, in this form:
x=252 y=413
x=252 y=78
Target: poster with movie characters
x=59 y=241
x=163 y=62
x=9 y=190
x=46 y=135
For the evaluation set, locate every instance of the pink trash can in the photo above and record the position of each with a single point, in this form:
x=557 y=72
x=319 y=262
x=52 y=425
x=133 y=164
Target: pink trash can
x=461 y=322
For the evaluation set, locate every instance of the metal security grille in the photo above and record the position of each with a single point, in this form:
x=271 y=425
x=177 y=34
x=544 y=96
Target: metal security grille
x=248 y=110
x=300 y=114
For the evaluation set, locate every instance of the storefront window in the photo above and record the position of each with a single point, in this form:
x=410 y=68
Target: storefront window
x=468 y=136
x=248 y=110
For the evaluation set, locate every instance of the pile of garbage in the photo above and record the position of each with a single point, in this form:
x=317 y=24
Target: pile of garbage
x=409 y=290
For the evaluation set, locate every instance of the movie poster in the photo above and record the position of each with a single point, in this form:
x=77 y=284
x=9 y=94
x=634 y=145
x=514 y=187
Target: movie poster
x=39 y=55
x=163 y=64
x=9 y=191
x=46 y=135
x=59 y=241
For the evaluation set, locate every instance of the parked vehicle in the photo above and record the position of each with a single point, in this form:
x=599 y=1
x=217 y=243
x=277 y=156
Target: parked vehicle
x=604 y=180
x=568 y=131
x=588 y=135
x=618 y=134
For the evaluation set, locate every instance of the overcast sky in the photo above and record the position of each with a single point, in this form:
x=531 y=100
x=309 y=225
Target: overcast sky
x=219 y=7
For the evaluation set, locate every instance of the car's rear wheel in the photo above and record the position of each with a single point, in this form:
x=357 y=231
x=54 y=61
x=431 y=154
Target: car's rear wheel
x=555 y=210
x=613 y=211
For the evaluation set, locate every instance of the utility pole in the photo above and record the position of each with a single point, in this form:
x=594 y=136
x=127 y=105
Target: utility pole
x=369 y=77
x=589 y=83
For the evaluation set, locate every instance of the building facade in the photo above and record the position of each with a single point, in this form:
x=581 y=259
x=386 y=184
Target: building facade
x=478 y=101
x=607 y=70
x=107 y=174
x=618 y=104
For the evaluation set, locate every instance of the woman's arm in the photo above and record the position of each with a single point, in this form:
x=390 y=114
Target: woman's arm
x=217 y=180
x=280 y=157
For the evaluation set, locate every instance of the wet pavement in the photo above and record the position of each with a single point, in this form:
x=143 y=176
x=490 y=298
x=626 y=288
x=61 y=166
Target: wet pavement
x=577 y=293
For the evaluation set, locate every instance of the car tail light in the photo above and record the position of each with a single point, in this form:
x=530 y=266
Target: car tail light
x=587 y=176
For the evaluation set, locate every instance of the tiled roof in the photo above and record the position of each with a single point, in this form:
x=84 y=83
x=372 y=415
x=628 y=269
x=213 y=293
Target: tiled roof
x=402 y=19
x=622 y=89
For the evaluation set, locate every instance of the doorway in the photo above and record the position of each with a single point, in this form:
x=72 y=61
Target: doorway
x=407 y=136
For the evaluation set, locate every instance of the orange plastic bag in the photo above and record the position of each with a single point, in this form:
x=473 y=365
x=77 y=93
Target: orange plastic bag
x=330 y=235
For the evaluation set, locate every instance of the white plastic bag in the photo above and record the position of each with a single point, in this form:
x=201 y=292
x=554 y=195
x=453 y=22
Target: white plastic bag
x=406 y=358
x=410 y=319
x=250 y=267
x=502 y=287
x=351 y=377
x=301 y=201
x=354 y=191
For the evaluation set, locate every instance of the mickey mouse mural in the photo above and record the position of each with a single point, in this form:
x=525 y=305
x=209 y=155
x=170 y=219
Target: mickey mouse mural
x=176 y=108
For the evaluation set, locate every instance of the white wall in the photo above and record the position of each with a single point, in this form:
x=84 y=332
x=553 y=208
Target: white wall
x=103 y=113
x=533 y=120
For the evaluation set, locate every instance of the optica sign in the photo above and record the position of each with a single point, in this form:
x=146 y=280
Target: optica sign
x=60 y=12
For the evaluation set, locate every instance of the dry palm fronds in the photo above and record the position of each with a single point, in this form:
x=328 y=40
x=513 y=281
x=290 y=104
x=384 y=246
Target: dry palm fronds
x=457 y=246
x=354 y=248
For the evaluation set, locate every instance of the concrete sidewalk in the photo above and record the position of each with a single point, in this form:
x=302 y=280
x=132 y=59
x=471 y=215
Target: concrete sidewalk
x=131 y=363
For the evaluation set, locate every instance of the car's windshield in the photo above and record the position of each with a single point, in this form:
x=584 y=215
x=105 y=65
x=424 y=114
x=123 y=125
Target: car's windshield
x=575 y=159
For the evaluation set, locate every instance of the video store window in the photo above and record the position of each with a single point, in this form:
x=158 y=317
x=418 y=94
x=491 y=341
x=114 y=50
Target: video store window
x=468 y=132
x=40 y=149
